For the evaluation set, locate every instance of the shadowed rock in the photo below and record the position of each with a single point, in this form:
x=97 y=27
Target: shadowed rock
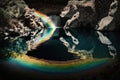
x=96 y=14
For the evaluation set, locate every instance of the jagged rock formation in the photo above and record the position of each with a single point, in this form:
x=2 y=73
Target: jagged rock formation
x=18 y=21
x=97 y=14
x=17 y=18
x=82 y=13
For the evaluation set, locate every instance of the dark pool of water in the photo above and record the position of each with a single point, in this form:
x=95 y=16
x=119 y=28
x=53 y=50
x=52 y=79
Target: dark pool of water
x=54 y=49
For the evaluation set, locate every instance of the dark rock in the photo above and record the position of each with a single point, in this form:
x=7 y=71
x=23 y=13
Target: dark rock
x=96 y=14
x=10 y=10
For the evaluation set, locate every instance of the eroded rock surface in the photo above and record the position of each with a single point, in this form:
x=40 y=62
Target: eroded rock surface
x=17 y=21
x=96 y=14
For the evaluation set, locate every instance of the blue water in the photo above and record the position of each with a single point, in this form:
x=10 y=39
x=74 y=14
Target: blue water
x=54 y=49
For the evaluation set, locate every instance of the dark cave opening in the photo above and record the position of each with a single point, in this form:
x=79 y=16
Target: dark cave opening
x=48 y=7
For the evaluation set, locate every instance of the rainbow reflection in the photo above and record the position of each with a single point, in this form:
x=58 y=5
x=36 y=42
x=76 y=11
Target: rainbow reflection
x=59 y=66
x=50 y=28
x=56 y=66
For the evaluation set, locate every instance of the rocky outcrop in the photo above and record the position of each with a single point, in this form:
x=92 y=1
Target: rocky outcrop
x=18 y=21
x=96 y=14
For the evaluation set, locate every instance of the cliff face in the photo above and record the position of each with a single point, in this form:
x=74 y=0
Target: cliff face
x=108 y=11
x=99 y=14
x=18 y=21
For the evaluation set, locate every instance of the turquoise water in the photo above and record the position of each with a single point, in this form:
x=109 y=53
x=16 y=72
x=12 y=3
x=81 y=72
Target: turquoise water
x=54 y=49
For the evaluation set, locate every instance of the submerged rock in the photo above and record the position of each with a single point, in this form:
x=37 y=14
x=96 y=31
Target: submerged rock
x=13 y=48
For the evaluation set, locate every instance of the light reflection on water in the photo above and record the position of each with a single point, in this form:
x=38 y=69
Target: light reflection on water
x=54 y=49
